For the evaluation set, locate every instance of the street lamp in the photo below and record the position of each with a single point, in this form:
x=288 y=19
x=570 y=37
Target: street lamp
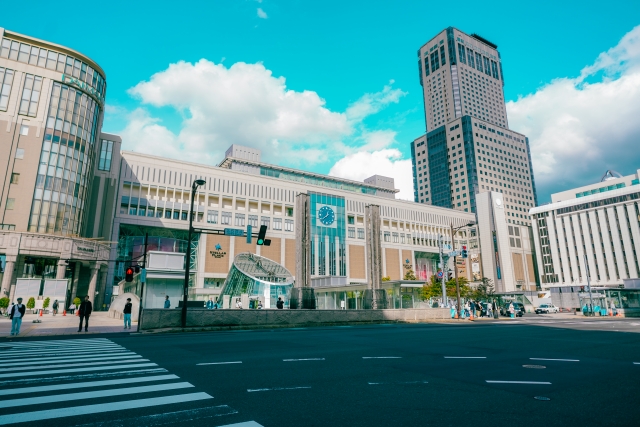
x=194 y=187
x=455 y=267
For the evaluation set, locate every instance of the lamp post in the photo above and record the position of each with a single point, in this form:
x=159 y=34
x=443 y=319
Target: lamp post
x=455 y=267
x=194 y=187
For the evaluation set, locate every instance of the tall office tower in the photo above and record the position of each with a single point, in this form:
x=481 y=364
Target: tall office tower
x=468 y=148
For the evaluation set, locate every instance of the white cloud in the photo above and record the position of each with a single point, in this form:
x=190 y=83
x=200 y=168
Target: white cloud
x=262 y=14
x=580 y=127
x=245 y=104
x=387 y=162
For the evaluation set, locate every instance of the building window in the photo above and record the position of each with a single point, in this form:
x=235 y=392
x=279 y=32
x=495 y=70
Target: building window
x=265 y=220
x=30 y=95
x=277 y=223
x=402 y=238
x=212 y=217
x=142 y=211
x=6 y=79
x=350 y=220
x=133 y=210
x=288 y=211
x=184 y=215
x=360 y=233
x=396 y=238
x=105 y=155
x=461 y=54
x=351 y=233
x=387 y=236
x=10 y=203
x=15 y=178
x=253 y=220
x=288 y=225
x=226 y=218
x=239 y=220
x=20 y=153
x=151 y=211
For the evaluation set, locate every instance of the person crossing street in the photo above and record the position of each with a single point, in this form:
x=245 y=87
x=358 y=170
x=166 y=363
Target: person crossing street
x=85 y=311
x=16 y=315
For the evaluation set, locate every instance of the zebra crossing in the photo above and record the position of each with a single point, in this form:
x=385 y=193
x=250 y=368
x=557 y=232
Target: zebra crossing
x=64 y=379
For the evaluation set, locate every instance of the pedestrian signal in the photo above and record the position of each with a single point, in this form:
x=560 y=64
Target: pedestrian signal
x=262 y=234
x=129 y=275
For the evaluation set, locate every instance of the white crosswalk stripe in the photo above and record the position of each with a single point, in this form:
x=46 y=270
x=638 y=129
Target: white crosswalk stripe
x=69 y=380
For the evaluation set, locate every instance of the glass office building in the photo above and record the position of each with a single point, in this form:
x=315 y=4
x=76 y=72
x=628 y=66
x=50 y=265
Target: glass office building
x=261 y=279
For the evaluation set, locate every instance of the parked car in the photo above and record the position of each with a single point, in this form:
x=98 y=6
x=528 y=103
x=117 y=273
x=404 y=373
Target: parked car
x=519 y=307
x=547 y=308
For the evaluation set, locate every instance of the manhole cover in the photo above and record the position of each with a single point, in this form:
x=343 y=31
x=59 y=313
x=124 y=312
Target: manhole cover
x=534 y=366
x=541 y=398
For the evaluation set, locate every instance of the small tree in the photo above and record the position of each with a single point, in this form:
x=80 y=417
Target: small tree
x=484 y=290
x=77 y=301
x=386 y=278
x=31 y=303
x=410 y=275
x=4 y=303
x=45 y=303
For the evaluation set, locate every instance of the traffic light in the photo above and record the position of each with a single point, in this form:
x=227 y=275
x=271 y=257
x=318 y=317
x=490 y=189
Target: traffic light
x=136 y=268
x=464 y=252
x=129 y=275
x=262 y=234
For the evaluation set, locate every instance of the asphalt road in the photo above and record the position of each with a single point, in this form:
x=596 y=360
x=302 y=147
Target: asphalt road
x=485 y=373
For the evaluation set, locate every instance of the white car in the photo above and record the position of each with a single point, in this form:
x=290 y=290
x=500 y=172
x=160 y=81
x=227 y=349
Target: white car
x=547 y=308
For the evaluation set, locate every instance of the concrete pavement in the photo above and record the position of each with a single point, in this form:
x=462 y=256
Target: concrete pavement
x=51 y=325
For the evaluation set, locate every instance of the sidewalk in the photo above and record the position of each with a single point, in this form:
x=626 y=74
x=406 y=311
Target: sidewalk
x=99 y=323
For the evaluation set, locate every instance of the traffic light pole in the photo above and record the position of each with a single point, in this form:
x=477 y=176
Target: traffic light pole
x=144 y=265
x=445 y=300
x=187 y=267
x=455 y=268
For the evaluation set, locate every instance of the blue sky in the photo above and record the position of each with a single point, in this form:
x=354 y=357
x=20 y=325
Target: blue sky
x=351 y=81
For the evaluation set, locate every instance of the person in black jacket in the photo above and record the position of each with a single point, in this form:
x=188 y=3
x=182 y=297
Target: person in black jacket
x=16 y=315
x=280 y=304
x=85 y=311
x=127 y=313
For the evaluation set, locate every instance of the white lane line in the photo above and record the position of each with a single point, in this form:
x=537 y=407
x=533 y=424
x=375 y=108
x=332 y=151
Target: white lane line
x=70 y=360
x=518 y=382
x=8 y=354
x=92 y=394
x=382 y=357
x=74 y=411
x=41 y=389
x=61 y=353
x=24 y=368
x=465 y=357
x=636 y=363
x=81 y=377
x=554 y=360
x=38 y=343
x=252 y=390
x=400 y=382
x=245 y=424
x=59 y=347
x=300 y=360
x=217 y=363
x=64 y=371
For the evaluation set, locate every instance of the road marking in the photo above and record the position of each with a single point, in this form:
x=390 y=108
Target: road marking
x=465 y=357
x=382 y=357
x=184 y=417
x=301 y=360
x=250 y=390
x=64 y=371
x=74 y=411
x=636 y=363
x=68 y=360
x=49 y=342
x=82 y=376
x=59 y=347
x=554 y=360
x=26 y=390
x=92 y=394
x=401 y=382
x=24 y=368
x=10 y=354
x=216 y=363
x=518 y=382
x=245 y=424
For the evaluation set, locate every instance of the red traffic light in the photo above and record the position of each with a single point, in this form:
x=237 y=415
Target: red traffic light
x=129 y=275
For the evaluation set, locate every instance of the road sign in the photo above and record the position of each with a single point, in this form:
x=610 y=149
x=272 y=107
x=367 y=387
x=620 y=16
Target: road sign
x=440 y=274
x=454 y=253
x=446 y=247
x=233 y=232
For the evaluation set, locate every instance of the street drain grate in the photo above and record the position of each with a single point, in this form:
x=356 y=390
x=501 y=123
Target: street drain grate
x=534 y=366
x=541 y=398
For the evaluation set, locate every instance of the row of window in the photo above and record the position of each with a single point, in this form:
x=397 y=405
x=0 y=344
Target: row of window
x=51 y=60
x=478 y=61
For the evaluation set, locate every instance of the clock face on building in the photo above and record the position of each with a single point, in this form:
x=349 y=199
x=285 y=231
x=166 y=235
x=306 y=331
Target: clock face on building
x=326 y=215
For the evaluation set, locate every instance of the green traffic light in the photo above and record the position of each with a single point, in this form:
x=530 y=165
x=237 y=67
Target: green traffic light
x=260 y=241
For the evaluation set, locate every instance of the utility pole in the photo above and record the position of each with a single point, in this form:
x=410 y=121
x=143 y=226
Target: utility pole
x=455 y=268
x=143 y=279
x=586 y=264
x=194 y=187
x=445 y=300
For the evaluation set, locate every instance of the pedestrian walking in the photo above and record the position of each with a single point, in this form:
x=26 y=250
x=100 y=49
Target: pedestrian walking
x=489 y=309
x=167 y=303
x=72 y=308
x=512 y=310
x=16 y=315
x=54 y=307
x=127 y=314
x=614 y=311
x=210 y=304
x=259 y=305
x=472 y=307
x=466 y=309
x=280 y=304
x=85 y=311
x=494 y=308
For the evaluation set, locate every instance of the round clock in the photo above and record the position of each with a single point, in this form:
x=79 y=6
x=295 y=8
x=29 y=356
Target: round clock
x=326 y=215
